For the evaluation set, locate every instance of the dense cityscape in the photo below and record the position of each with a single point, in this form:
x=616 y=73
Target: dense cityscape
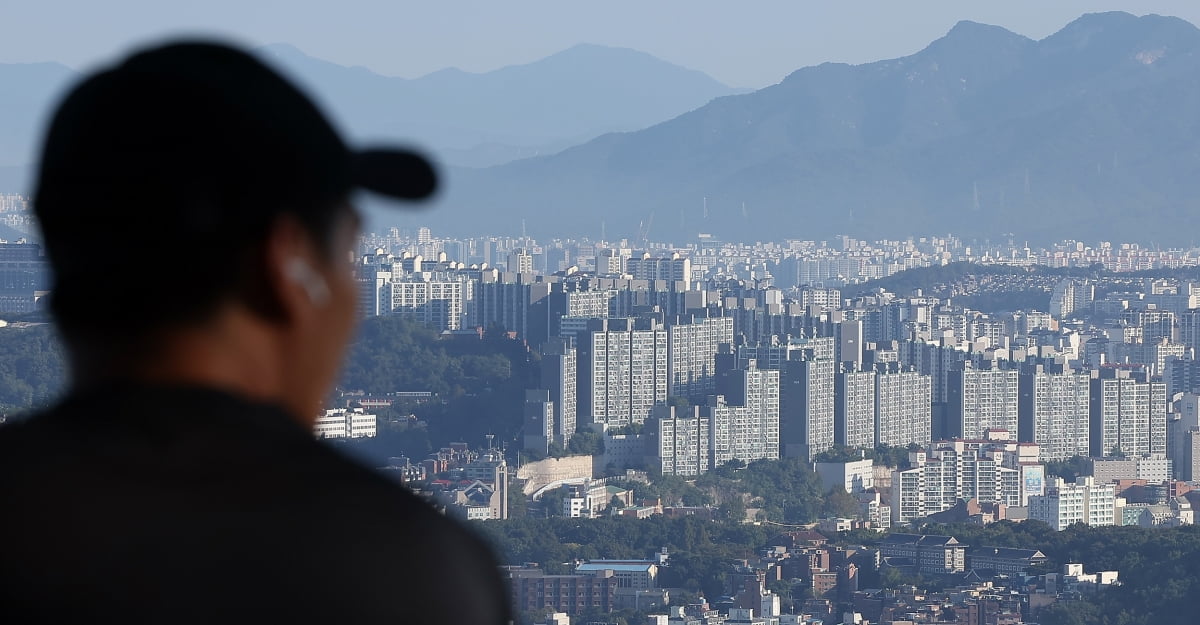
x=867 y=433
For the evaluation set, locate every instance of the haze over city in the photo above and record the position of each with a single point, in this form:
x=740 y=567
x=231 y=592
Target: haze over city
x=771 y=313
x=741 y=46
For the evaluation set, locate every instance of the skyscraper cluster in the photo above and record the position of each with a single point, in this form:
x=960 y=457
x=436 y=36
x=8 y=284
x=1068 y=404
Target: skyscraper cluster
x=713 y=352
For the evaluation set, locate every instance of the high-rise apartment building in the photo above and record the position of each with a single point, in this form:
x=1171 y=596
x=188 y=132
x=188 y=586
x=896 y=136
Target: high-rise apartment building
x=569 y=310
x=673 y=268
x=1189 y=330
x=510 y=304
x=539 y=420
x=622 y=370
x=1154 y=323
x=1054 y=412
x=520 y=261
x=560 y=379
x=24 y=274
x=1182 y=376
x=902 y=406
x=679 y=444
x=438 y=304
x=854 y=408
x=850 y=342
x=806 y=397
x=1183 y=437
x=978 y=400
x=1128 y=413
x=745 y=422
x=949 y=471
x=807 y=403
x=610 y=262
x=1070 y=296
x=936 y=361
x=1085 y=501
x=692 y=344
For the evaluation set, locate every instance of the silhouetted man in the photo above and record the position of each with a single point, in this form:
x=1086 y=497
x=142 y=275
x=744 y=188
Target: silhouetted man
x=195 y=209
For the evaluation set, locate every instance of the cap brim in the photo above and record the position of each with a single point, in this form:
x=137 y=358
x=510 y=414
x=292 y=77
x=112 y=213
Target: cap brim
x=396 y=173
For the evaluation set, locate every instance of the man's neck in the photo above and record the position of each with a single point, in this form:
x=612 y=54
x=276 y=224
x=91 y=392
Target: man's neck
x=235 y=353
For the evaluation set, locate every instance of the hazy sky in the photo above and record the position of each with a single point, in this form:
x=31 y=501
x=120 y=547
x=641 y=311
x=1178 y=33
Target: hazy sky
x=746 y=44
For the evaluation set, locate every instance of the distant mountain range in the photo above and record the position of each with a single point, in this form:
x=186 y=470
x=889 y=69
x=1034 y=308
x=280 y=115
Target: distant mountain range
x=463 y=118
x=1093 y=132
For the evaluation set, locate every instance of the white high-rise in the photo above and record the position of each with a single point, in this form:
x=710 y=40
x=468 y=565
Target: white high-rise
x=1054 y=412
x=674 y=268
x=979 y=400
x=902 y=407
x=745 y=425
x=854 y=408
x=1127 y=413
x=1085 y=501
x=622 y=365
x=949 y=471
x=692 y=344
x=679 y=443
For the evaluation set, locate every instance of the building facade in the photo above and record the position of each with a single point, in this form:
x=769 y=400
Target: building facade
x=978 y=400
x=622 y=371
x=1054 y=412
x=1085 y=501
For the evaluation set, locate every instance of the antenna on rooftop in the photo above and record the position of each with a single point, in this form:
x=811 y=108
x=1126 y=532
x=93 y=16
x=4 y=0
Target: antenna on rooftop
x=489 y=438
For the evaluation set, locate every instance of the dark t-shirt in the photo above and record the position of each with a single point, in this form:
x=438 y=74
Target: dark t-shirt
x=186 y=505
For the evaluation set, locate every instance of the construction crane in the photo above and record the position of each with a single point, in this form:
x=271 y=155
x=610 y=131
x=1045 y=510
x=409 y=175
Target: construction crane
x=644 y=230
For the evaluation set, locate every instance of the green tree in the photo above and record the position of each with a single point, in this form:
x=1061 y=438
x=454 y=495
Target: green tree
x=839 y=503
x=681 y=404
x=586 y=443
x=1068 y=469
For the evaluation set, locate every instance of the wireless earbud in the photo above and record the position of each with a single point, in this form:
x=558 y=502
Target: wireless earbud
x=313 y=284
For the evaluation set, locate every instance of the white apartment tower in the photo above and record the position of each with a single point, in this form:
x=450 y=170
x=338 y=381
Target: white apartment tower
x=854 y=408
x=622 y=370
x=948 y=471
x=1085 y=501
x=981 y=399
x=560 y=379
x=745 y=425
x=673 y=268
x=679 y=444
x=1054 y=412
x=1127 y=412
x=437 y=303
x=692 y=344
x=902 y=407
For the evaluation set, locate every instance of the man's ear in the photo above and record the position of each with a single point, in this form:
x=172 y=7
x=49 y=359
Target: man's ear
x=291 y=287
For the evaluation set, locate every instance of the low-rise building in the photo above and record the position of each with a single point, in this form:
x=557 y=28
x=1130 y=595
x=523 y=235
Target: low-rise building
x=637 y=574
x=930 y=554
x=855 y=476
x=533 y=590
x=345 y=423
x=1004 y=560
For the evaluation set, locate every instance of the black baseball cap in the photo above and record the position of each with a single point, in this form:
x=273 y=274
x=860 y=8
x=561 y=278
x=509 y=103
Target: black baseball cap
x=161 y=164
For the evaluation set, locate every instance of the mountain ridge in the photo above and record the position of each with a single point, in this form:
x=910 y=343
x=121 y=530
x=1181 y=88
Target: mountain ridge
x=475 y=119
x=1079 y=135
